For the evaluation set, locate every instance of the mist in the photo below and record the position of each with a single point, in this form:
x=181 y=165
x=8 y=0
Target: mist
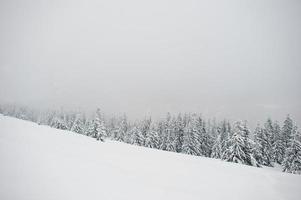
x=224 y=59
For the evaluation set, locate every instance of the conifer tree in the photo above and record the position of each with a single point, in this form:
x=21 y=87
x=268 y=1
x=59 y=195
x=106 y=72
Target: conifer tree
x=101 y=132
x=179 y=133
x=278 y=145
x=59 y=122
x=292 y=160
x=77 y=125
x=287 y=131
x=259 y=153
x=122 y=129
x=191 y=141
x=136 y=136
x=144 y=129
x=217 y=146
x=152 y=139
x=240 y=150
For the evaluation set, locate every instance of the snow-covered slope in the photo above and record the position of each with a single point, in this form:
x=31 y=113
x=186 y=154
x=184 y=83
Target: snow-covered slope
x=38 y=162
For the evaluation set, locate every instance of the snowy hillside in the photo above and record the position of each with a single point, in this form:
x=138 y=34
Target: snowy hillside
x=39 y=162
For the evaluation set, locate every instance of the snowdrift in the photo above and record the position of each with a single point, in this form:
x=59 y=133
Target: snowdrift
x=38 y=162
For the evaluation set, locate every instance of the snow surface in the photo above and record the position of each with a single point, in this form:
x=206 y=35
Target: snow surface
x=39 y=162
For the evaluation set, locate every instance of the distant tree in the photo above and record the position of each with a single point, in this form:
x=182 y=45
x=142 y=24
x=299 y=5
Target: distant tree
x=178 y=129
x=292 y=159
x=259 y=146
x=225 y=132
x=287 y=131
x=240 y=150
x=217 y=151
x=171 y=141
x=122 y=129
x=136 y=136
x=78 y=125
x=144 y=129
x=191 y=142
x=101 y=132
x=278 y=145
x=58 y=121
x=152 y=139
x=263 y=148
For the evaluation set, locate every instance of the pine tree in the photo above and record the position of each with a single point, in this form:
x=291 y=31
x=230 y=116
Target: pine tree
x=171 y=135
x=263 y=149
x=278 y=146
x=136 y=136
x=287 y=131
x=259 y=153
x=152 y=139
x=240 y=150
x=217 y=146
x=59 y=122
x=101 y=132
x=179 y=133
x=77 y=125
x=91 y=129
x=224 y=133
x=292 y=160
x=205 y=139
x=122 y=129
x=144 y=129
x=267 y=142
x=191 y=143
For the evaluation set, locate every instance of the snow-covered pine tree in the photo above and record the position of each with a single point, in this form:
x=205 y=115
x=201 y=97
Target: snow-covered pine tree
x=287 y=131
x=101 y=132
x=239 y=150
x=292 y=159
x=191 y=143
x=144 y=129
x=206 y=140
x=162 y=136
x=179 y=133
x=122 y=129
x=171 y=135
x=278 y=145
x=225 y=129
x=58 y=121
x=217 y=148
x=77 y=125
x=90 y=129
x=259 y=145
x=152 y=139
x=263 y=151
x=136 y=136
x=267 y=143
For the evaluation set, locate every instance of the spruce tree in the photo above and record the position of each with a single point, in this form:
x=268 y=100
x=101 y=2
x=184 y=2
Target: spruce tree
x=136 y=136
x=77 y=125
x=240 y=150
x=191 y=143
x=292 y=160
x=179 y=133
x=263 y=150
x=122 y=129
x=259 y=153
x=217 y=146
x=287 y=131
x=101 y=132
x=152 y=139
x=278 y=145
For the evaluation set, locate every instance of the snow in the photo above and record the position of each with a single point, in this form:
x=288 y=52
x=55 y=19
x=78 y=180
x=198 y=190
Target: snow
x=39 y=162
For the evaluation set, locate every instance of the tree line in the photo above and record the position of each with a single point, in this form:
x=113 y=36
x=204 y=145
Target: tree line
x=269 y=144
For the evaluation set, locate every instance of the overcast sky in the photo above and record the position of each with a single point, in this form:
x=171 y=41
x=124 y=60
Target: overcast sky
x=226 y=59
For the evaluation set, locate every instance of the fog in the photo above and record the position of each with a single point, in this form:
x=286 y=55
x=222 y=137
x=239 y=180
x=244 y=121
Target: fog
x=224 y=59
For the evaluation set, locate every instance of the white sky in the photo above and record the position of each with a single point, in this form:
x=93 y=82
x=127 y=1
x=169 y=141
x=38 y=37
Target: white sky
x=234 y=59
